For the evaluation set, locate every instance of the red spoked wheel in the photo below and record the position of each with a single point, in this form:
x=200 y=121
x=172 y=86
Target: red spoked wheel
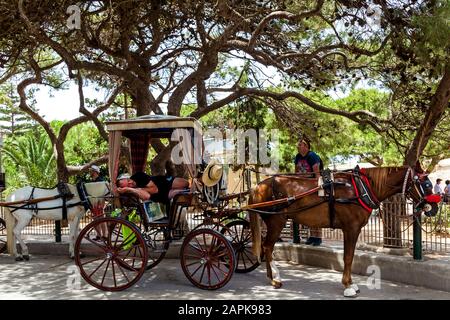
x=240 y=235
x=111 y=254
x=207 y=259
x=2 y=236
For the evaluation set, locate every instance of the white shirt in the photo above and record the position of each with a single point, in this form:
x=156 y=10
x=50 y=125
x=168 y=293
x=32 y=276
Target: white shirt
x=448 y=189
x=438 y=189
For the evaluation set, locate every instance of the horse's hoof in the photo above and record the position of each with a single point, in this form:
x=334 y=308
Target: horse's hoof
x=276 y=284
x=355 y=287
x=350 y=293
x=19 y=259
x=26 y=257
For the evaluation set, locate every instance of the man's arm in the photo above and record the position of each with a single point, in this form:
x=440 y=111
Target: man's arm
x=151 y=188
x=141 y=193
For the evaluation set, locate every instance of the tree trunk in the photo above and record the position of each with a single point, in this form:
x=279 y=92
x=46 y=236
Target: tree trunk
x=393 y=208
x=61 y=167
x=435 y=112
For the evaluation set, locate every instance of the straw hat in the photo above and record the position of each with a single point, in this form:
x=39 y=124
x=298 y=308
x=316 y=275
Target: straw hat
x=212 y=173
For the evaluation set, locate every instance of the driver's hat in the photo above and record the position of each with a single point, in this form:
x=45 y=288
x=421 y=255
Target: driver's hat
x=212 y=174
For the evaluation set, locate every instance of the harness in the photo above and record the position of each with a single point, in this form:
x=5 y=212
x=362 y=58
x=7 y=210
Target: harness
x=65 y=194
x=363 y=190
x=32 y=203
x=325 y=190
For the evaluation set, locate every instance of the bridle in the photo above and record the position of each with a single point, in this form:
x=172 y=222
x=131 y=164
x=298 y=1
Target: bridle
x=426 y=202
x=416 y=184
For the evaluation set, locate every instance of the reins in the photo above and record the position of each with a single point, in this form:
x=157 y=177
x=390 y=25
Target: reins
x=280 y=201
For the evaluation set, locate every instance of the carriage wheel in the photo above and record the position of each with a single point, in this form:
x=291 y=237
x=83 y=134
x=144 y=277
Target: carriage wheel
x=207 y=259
x=2 y=236
x=115 y=261
x=239 y=233
x=157 y=240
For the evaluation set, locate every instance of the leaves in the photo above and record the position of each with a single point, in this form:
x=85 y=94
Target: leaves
x=29 y=160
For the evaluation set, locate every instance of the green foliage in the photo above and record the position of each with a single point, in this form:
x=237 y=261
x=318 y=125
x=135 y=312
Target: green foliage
x=83 y=144
x=29 y=160
x=334 y=138
x=13 y=120
x=433 y=33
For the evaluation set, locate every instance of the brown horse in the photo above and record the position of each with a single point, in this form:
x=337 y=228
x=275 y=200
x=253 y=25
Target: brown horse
x=308 y=208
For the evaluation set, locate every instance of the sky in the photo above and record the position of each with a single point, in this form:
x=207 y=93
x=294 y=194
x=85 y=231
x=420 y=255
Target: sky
x=63 y=104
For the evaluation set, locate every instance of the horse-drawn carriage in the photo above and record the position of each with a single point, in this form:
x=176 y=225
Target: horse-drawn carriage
x=114 y=251
x=131 y=242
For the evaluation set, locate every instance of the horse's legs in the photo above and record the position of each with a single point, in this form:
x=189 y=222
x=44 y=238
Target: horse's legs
x=72 y=235
x=273 y=233
x=22 y=221
x=350 y=239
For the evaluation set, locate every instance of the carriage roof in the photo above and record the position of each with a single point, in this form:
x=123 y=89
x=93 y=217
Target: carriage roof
x=160 y=125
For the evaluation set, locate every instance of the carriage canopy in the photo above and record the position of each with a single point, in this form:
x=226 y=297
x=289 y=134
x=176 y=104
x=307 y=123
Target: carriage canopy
x=186 y=131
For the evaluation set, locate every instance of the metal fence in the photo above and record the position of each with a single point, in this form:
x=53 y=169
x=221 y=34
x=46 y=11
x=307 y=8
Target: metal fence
x=391 y=226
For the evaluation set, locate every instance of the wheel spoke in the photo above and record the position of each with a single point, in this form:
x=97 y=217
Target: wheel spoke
x=203 y=272
x=195 y=271
x=106 y=271
x=90 y=261
x=121 y=270
x=95 y=270
x=130 y=267
x=195 y=248
x=95 y=243
x=114 y=273
x=208 y=267
x=220 y=269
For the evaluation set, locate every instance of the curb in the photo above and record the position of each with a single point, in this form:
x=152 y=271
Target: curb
x=433 y=274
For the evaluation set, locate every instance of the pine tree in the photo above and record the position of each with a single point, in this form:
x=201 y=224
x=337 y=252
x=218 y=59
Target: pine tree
x=12 y=120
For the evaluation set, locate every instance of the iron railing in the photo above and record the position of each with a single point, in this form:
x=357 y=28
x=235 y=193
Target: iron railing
x=391 y=226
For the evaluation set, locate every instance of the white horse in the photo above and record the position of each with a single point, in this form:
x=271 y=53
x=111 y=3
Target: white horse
x=75 y=210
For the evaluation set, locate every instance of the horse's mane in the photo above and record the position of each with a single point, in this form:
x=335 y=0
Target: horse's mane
x=380 y=176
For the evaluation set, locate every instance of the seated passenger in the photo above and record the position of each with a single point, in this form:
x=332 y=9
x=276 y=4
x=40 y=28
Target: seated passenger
x=156 y=188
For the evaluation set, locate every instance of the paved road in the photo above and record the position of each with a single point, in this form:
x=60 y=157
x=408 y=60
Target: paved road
x=45 y=277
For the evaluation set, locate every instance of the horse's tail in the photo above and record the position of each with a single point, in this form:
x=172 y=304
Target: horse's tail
x=255 y=225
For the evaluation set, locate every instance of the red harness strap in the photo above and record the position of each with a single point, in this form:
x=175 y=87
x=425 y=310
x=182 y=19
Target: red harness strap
x=369 y=189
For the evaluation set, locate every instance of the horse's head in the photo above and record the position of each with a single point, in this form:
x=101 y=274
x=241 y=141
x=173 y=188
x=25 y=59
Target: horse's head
x=420 y=189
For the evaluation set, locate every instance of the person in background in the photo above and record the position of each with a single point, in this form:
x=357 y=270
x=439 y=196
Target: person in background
x=94 y=172
x=437 y=187
x=447 y=191
x=98 y=205
x=308 y=161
